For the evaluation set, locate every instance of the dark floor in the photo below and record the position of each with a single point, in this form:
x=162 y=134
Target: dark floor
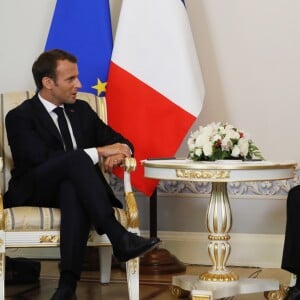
x=151 y=287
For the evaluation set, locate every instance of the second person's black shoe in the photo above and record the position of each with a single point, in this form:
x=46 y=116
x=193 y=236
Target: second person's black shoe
x=293 y=294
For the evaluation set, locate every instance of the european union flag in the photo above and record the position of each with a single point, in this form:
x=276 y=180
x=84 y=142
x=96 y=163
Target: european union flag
x=83 y=28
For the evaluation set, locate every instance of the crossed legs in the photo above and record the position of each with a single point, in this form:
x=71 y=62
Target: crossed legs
x=72 y=183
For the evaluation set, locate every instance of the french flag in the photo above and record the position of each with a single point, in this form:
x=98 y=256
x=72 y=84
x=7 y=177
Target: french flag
x=155 y=89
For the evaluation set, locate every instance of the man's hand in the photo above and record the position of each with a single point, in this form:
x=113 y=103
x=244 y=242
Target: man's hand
x=114 y=149
x=114 y=155
x=113 y=161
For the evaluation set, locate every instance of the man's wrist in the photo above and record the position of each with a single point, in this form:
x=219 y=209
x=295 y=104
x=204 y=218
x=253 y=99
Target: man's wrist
x=93 y=154
x=99 y=152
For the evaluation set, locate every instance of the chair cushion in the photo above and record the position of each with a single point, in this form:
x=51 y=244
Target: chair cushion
x=41 y=218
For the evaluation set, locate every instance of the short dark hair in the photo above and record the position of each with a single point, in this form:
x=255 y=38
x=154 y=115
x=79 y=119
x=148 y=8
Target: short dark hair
x=46 y=63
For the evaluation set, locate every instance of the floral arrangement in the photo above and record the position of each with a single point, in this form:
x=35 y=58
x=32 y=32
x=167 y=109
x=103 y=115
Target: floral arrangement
x=219 y=141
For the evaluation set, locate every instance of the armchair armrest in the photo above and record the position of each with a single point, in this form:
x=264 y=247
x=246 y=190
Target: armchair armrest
x=130 y=202
x=1 y=212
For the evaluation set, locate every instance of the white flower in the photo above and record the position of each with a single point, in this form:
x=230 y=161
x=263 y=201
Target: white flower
x=232 y=134
x=235 y=151
x=216 y=137
x=201 y=140
x=244 y=146
x=222 y=130
x=208 y=148
x=194 y=134
x=198 y=152
x=226 y=144
x=191 y=143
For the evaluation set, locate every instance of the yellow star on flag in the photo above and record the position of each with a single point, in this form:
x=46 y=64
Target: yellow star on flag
x=100 y=87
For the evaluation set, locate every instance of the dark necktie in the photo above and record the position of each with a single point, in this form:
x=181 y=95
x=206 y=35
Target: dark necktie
x=63 y=126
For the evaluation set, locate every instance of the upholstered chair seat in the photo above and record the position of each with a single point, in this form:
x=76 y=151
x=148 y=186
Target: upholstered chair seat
x=25 y=218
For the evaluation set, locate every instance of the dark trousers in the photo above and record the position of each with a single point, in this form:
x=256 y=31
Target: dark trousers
x=72 y=183
x=291 y=250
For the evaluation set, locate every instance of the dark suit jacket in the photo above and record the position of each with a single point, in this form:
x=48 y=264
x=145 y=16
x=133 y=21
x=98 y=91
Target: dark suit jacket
x=34 y=138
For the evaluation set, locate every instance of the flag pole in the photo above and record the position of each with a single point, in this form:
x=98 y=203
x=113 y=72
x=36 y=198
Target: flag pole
x=160 y=260
x=153 y=214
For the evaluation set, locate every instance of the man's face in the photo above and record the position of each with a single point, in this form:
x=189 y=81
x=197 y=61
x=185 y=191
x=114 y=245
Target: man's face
x=66 y=84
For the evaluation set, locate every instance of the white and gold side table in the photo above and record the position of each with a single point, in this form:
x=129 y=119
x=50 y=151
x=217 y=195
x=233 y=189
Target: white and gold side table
x=219 y=282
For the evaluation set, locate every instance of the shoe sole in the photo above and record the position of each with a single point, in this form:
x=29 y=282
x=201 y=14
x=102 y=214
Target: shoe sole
x=150 y=249
x=139 y=255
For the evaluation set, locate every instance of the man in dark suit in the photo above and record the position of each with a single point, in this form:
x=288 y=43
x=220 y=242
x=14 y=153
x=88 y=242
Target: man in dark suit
x=56 y=142
x=291 y=250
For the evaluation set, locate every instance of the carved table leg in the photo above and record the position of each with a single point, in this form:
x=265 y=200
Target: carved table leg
x=219 y=222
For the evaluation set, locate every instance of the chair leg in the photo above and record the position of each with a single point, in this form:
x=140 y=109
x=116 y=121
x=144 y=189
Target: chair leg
x=2 y=265
x=105 y=256
x=132 y=272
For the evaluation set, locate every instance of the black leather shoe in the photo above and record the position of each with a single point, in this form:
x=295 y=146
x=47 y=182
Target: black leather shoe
x=64 y=293
x=293 y=294
x=131 y=245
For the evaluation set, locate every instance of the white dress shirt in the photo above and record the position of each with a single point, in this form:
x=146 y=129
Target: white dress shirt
x=91 y=152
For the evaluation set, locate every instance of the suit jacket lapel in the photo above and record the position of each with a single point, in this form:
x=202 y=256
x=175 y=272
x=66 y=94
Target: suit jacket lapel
x=44 y=117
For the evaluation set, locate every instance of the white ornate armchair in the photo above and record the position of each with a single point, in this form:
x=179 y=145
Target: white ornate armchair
x=30 y=227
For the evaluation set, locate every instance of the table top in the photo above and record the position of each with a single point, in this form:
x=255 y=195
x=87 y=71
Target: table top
x=218 y=171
